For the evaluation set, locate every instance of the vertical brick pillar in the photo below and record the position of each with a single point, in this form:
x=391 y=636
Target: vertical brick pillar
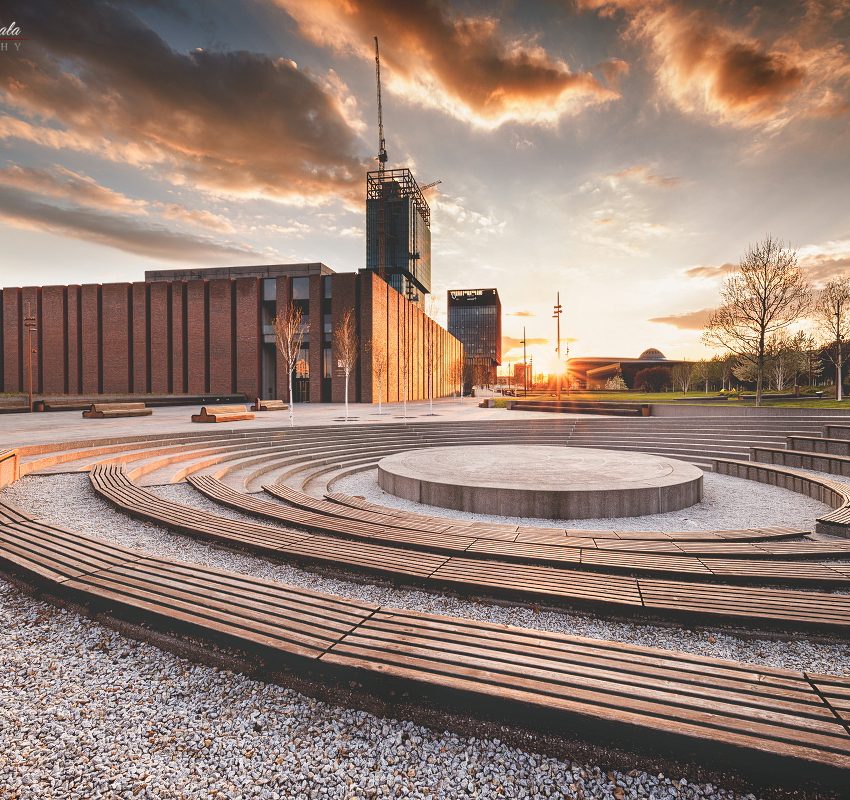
x=74 y=347
x=159 y=336
x=140 y=338
x=220 y=334
x=90 y=341
x=344 y=290
x=178 y=338
x=53 y=339
x=115 y=303
x=248 y=336
x=12 y=344
x=196 y=342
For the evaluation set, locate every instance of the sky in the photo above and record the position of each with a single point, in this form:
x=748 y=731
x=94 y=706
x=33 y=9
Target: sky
x=621 y=152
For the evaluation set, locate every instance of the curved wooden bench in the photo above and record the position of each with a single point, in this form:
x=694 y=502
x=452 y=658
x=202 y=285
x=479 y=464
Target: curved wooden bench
x=765 y=718
x=791 y=608
x=832 y=493
x=222 y=414
x=512 y=545
x=109 y=410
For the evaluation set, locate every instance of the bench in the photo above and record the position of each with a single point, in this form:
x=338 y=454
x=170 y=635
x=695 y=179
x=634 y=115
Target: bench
x=222 y=414
x=832 y=493
x=582 y=407
x=565 y=584
x=631 y=695
x=269 y=405
x=109 y=410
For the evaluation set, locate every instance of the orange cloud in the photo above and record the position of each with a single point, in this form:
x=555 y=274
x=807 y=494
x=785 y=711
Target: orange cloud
x=711 y=271
x=230 y=122
x=708 y=66
x=463 y=65
x=689 y=321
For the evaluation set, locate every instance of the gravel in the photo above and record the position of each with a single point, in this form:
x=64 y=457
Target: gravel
x=87 y=712
x=82 y=509
x=728 y=503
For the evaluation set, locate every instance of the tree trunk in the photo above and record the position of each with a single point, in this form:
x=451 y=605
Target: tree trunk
x=380 y=392
x=839 y=389
x=346 y=395
x=760 y=370
x=291 y=401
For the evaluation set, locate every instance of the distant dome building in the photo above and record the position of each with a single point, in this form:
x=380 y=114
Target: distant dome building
x=593 y=372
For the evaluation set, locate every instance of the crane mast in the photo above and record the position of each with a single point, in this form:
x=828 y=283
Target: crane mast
x=382 y=144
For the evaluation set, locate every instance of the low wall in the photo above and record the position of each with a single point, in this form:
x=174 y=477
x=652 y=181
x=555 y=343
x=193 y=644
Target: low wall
x=8 y=467
x=732 y=410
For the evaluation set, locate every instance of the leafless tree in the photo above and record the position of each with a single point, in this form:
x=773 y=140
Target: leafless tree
x=346 y=347
x=832 y=315
x=378 y=349
x=289 y=335
x=681 y=375
x=767 y=293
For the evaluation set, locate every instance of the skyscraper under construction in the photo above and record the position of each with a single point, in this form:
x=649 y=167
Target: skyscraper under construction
x=398 y=232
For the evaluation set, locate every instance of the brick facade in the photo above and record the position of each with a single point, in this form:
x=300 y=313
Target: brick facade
x=203 y=335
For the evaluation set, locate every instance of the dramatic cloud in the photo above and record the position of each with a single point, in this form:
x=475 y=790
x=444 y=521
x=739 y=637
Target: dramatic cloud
x=68 y=185
x=120 y=231
x=689 y=321
x=721 y=69
x=520 y=314
x=463 y=65
x=229 y=122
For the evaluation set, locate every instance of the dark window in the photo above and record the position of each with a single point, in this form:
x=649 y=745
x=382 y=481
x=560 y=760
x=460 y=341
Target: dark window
x=300 y=288
x=327 y=363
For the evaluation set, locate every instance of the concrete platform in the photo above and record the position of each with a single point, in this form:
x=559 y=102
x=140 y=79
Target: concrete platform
x=541 y=481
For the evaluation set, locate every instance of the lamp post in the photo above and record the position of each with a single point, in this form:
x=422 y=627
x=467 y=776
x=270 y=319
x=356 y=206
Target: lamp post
x=524 y=366
x=29 y=325
x=557 y=315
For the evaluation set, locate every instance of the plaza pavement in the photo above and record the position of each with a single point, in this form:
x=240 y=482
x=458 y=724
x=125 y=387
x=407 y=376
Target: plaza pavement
x=63 y=426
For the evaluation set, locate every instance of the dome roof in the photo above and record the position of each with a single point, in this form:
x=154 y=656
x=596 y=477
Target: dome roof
x=652 y=355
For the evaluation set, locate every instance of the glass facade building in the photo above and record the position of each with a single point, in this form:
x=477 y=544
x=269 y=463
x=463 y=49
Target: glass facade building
x=475 y=318
x=398 y=232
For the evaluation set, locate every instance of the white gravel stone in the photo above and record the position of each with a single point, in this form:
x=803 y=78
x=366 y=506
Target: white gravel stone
x=89 y=713
x=80 y=508
x=727 y=503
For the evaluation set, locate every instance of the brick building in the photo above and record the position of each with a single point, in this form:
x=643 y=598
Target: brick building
x=210 y=331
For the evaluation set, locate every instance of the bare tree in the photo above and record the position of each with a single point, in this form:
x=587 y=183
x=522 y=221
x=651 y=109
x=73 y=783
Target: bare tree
x=832 y=315
x=767 y=293
x=378 y=349
x=814 y=365
x=347 y=347
x=681 y=375
x=289 y=335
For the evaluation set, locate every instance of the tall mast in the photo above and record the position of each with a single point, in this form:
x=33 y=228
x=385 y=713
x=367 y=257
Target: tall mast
x=382 y=144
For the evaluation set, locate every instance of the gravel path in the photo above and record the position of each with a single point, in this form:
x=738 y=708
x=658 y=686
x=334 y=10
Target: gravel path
x=86 y=712
x=81 y=509
x=728 y=503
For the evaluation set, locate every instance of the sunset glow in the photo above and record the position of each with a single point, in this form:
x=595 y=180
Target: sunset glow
x=623 y=153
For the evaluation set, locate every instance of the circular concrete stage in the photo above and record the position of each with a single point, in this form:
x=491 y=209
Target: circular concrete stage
x=541 y=481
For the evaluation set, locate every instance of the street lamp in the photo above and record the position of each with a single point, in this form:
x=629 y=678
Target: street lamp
x=29 y=325
x=557 y=315
x=524 y=367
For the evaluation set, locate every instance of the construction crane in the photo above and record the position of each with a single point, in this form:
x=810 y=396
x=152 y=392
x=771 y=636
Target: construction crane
x=429 y=186
x=382 y=143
